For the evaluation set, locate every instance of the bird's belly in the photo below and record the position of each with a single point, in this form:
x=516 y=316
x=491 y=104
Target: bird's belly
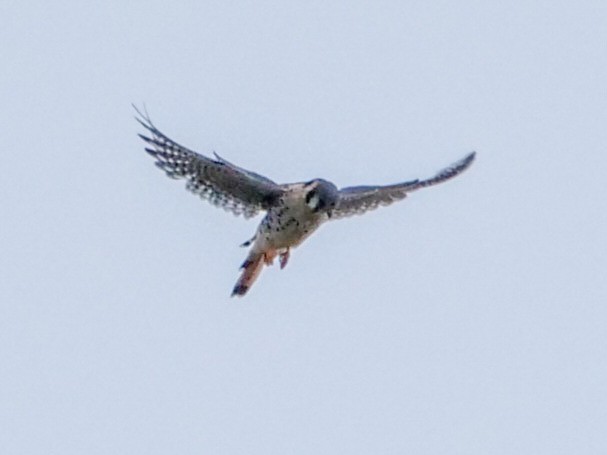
x=287 y=231
x=292 y=236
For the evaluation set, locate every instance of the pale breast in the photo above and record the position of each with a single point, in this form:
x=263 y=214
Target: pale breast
x=290 y=222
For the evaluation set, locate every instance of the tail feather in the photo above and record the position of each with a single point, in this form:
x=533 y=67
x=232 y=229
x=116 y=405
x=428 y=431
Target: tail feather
x=251 y=269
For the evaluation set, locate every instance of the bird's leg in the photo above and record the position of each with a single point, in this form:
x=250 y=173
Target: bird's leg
x=269 y=256
x=284 y=258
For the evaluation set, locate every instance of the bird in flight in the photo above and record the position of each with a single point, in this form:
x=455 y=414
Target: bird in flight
x=293 y=210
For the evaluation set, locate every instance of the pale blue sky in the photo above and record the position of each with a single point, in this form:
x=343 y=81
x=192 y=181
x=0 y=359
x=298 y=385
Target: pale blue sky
x=469 y=319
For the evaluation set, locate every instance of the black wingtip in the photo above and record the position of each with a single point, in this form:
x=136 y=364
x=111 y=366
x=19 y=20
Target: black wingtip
x=449 y=172
x=145 y=138
x=462 y=164
x=465 y=162
x=142 y=114
x=143 y=123
x=144 y=118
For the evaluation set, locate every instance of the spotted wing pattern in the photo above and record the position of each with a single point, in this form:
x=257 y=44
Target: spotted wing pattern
x=357 y=200
x=220 y=182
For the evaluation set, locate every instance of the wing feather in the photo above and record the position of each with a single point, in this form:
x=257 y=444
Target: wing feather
x=218 y=181
x=357 y=200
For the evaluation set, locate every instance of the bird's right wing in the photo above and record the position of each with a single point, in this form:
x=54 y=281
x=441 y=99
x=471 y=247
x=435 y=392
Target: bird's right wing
x=220 y=182
x=357 y=200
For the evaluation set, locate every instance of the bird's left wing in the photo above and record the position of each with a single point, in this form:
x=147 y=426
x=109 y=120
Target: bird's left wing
x=357 y=200
x=220 y=182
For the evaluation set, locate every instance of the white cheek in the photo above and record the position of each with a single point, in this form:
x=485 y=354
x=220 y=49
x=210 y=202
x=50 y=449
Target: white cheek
x=313 y=202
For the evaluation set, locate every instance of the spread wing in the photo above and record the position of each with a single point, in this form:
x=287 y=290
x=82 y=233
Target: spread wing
x=216 y=180
x=357 y=200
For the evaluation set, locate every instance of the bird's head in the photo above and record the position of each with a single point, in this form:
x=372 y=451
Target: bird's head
x=321 y=196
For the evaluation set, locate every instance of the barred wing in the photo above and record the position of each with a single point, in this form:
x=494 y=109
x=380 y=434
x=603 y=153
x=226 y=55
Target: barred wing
x=220 y=182
x=357 y=200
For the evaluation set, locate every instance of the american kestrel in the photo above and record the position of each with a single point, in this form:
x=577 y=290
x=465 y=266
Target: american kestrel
x=293 y=210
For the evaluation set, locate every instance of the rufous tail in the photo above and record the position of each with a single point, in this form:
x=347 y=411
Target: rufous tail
x=251 y=269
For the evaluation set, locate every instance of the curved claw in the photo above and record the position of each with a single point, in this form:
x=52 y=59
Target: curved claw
x=284 y=258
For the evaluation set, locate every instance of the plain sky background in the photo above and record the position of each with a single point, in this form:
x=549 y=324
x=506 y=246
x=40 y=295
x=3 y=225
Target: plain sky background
x=469 y=319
